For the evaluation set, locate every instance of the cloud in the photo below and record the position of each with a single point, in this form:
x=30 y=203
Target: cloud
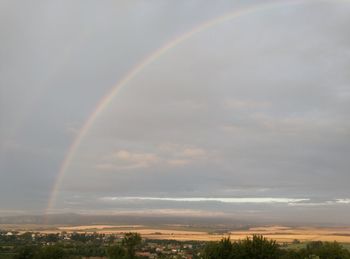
x=178 y=162
x=285 y=124
x=166 y=154
x=246 y=104
x=323 y=203
x=182 y=155
x=155 y=212
x=284 y=103
x=124 y=159
x=194 y=152
x=343 y=201
x=205 y=199
x=311 y=204
x=138 y=158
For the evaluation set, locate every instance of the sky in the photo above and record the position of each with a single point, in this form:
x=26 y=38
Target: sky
x=247 y=116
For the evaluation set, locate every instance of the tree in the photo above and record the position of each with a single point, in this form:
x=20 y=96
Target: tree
x=115 y=252
x=256 y=247
x=130 y=242
x=51 y=252
x=259 y=247
x=327 y=250
x=26 y=252
x=218 y=250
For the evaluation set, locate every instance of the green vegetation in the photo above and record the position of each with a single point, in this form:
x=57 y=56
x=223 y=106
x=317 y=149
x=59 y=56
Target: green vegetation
x=70 y=246
x=259 y=247
x=130 y=242
x=130 y=246
x=115 y=252
x=256 y=247
x=127 y=249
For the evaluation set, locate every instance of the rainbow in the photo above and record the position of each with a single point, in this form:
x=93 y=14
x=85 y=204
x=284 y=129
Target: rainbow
x=138 y=68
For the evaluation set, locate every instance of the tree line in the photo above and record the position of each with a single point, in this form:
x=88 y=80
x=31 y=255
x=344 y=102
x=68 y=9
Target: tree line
x=255 y=247
x=258 y=247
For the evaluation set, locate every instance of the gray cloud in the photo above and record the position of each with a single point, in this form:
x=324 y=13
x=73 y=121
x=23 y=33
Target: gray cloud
x=254 y=107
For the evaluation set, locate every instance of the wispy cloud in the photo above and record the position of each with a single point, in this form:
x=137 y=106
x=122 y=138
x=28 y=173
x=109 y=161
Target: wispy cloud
x=323 y=203
x=187 y=155
x=205 y=199
x=125 y=159
x=178 y=162
x=194 y=152
x=166 y=155
x=246 y=104
x=343 y=201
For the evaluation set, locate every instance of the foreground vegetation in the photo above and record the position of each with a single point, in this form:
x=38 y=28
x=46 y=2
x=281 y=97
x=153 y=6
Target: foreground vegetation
x=131 y=246
x=259 y=247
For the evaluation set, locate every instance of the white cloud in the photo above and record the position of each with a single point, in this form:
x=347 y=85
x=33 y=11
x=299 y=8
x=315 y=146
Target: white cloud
x=310 y=204
x=205 y=199
x=323 y=203
x=343 y=201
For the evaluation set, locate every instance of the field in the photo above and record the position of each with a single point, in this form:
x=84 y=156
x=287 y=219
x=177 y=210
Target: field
x=281 y=234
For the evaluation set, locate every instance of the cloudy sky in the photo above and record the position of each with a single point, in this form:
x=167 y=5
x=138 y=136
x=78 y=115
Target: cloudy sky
x=249 y=115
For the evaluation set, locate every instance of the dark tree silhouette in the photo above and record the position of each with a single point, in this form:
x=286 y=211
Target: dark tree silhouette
x=256 y=247
x=130 y=242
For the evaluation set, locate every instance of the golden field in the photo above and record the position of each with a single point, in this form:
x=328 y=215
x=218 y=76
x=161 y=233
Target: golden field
x=279 y=233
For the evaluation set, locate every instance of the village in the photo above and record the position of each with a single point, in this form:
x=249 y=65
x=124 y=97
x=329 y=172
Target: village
x=94 y=245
